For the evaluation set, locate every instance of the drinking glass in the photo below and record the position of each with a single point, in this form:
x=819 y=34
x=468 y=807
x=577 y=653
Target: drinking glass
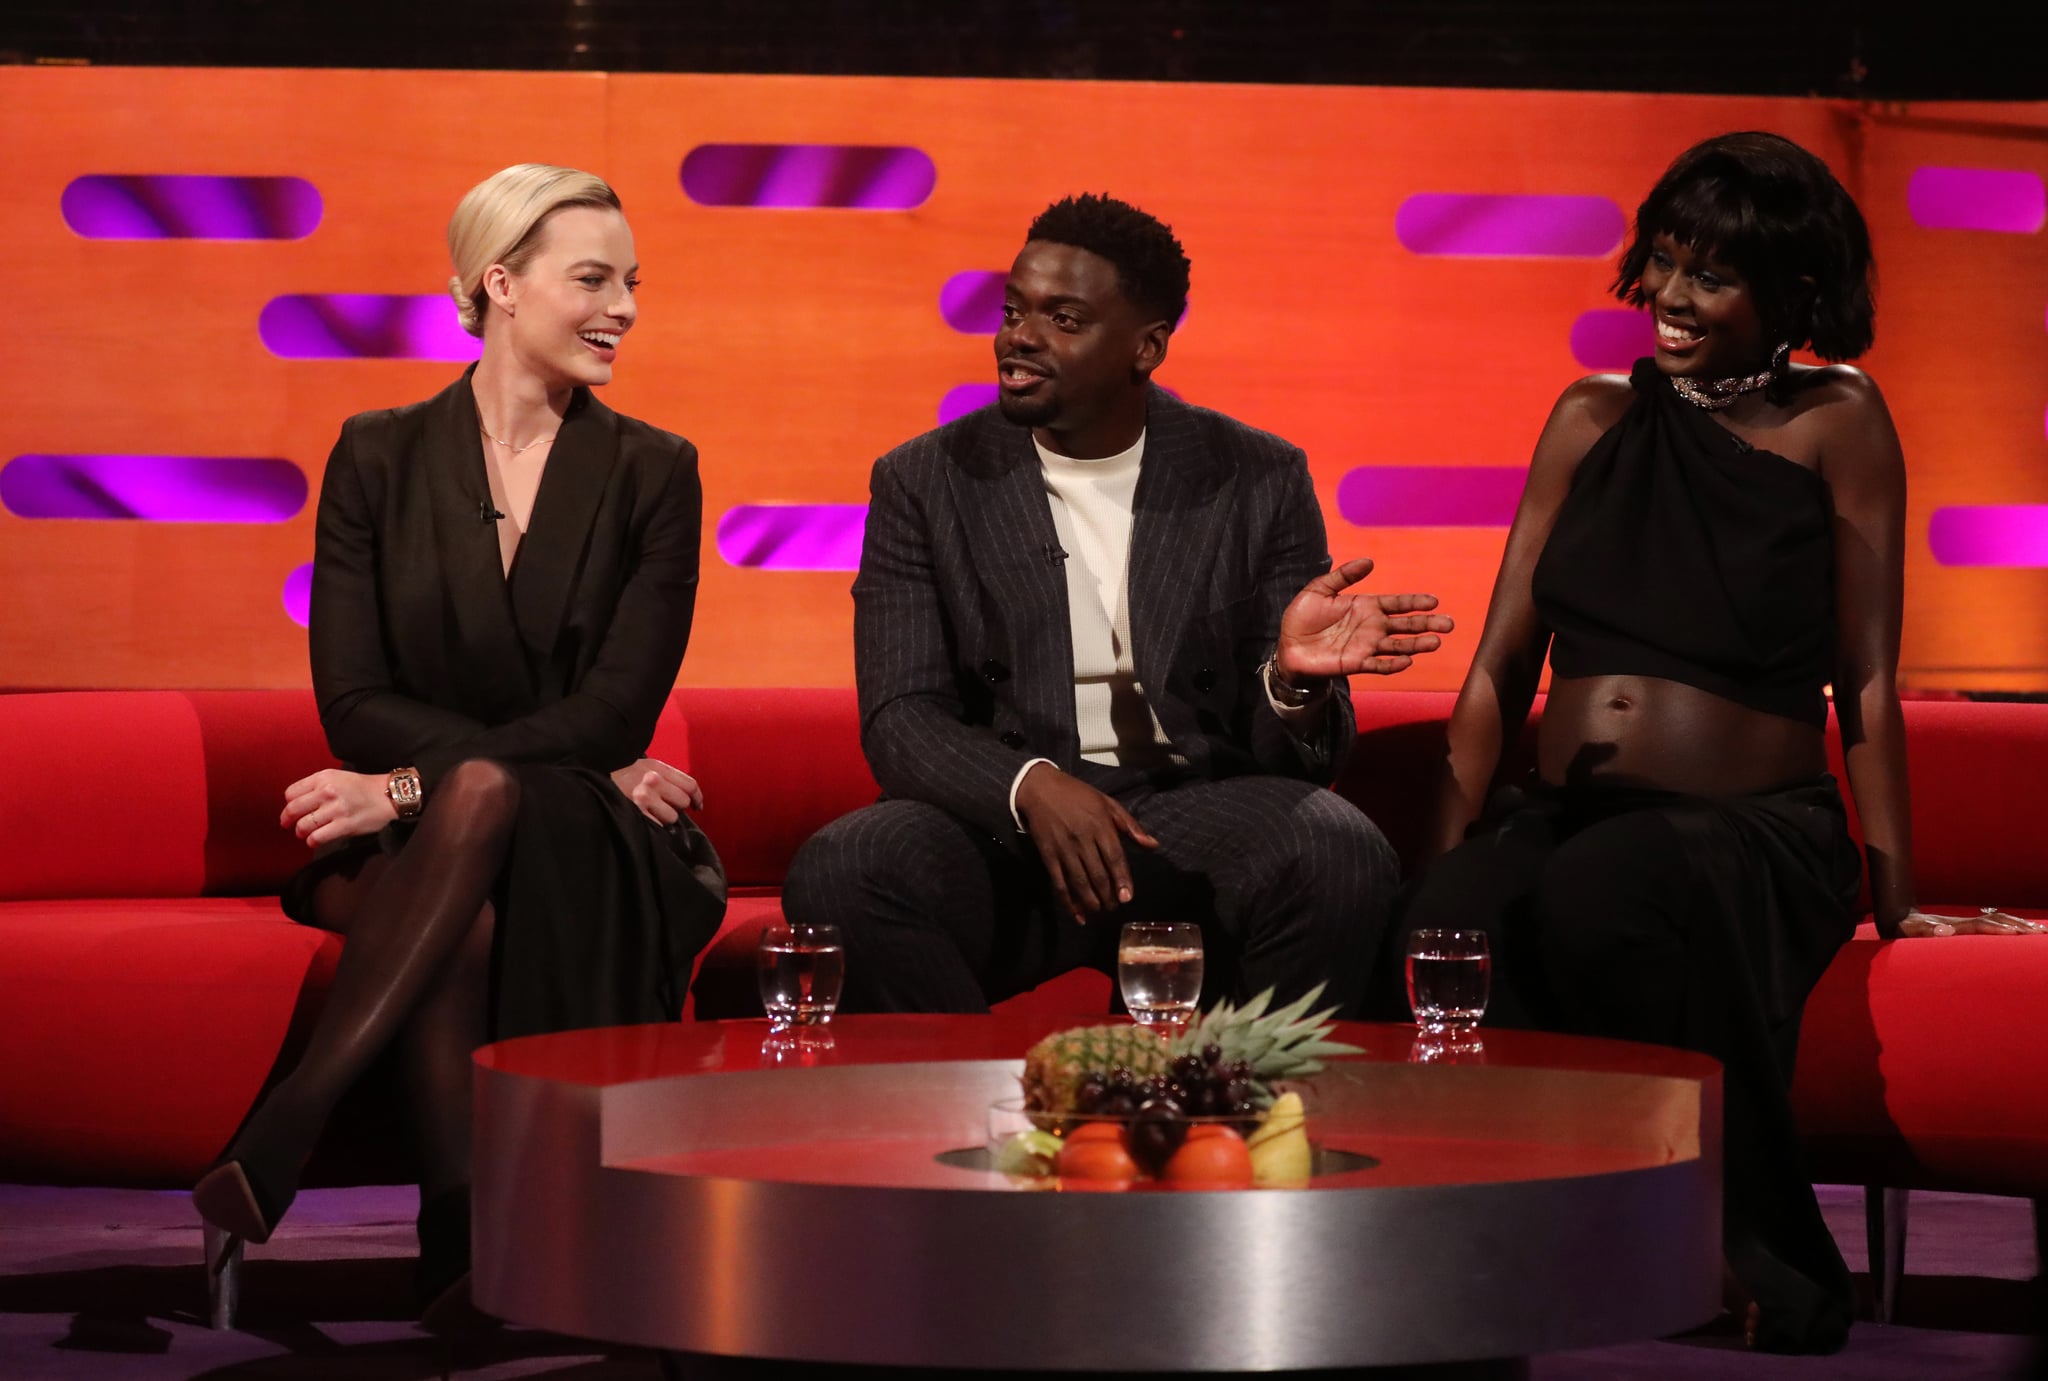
x=800 y=968
x=1451 y=1045
x=800 y=1047
x=1448 y=976
x=1159 y=969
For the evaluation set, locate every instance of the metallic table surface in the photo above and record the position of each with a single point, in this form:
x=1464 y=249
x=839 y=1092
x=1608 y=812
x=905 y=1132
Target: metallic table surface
x=708 y=1188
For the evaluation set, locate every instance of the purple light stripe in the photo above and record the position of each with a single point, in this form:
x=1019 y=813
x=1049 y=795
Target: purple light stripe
x=298 y=595
x=962 y=399
x=861 y=177
x=1612 y=339
x=365 y=326
x=184 y=206
x=1977 y=199
x=162 y=489
x=1522 y=226
x=1990 y=535
x=972 y=301
x=793 y=537
x=1431 y=495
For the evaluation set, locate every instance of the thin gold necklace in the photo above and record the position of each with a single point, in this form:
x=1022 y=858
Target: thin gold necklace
x=515 y=450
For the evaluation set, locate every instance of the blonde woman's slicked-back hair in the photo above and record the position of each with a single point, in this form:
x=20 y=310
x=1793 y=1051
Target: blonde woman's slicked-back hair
x=498 y=221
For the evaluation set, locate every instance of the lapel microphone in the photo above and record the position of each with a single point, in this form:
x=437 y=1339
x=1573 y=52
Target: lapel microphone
x=1053 y=554
x=486 y=513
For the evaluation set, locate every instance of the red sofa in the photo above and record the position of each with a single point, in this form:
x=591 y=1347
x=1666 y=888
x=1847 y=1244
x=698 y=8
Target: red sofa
x=149 y=984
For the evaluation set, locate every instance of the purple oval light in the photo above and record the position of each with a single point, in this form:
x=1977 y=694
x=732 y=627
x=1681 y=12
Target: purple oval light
x=793 y=537
x=972 y=301
x=162 y=489
x=365 y=326
x=962 y=399
x=187 y=206
x=1569 y=227
x=1989 y=535
x=1999 y=199
x=1431 y=495
x=1612 y=339
x=856 y=177
x=298 y=594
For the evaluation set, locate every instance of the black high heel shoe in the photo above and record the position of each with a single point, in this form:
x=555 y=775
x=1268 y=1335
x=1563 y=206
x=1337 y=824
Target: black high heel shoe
x=241 y=1201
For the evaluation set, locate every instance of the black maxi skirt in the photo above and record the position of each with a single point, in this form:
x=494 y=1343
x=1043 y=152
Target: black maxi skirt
x=1695 y=922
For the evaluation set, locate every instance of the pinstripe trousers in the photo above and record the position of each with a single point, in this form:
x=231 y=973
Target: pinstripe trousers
x=1290 y=883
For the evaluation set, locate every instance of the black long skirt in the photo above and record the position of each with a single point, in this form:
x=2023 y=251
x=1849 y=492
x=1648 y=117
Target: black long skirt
x=600 y=912
x=1695 y=922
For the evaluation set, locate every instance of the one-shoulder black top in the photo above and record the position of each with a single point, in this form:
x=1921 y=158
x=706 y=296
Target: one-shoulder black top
x=1685 y=553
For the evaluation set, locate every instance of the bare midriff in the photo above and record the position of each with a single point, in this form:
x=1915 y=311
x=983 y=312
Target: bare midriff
x=1646 y=732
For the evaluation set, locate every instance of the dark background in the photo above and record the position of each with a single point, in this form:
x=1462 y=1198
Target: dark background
x=1881 y=51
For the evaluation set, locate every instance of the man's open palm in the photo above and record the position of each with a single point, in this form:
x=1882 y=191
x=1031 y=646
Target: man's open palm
x=1332 y=630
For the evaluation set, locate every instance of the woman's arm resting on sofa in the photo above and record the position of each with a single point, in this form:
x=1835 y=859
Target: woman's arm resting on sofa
x=1866 y=475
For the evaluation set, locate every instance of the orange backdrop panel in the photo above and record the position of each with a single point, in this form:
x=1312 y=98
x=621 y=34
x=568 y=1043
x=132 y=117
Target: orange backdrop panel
x=794 y=346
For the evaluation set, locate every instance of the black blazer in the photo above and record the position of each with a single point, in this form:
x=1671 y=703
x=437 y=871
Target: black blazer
x=962 y=641
x=425 y=652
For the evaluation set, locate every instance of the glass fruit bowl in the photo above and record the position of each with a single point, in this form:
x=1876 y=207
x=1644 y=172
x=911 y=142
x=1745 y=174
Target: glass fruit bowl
x=1155 y=1146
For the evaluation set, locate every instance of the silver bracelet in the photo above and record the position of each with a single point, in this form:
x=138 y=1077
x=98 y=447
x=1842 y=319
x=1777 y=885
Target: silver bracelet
x=1293 y=697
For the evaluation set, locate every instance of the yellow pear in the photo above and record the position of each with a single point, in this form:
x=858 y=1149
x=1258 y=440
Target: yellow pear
x=1286 y=1113
x=1281 y=1154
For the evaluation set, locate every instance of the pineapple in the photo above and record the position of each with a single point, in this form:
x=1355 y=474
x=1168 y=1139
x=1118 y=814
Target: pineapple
x=1284 y=1044
x=1054 y=1068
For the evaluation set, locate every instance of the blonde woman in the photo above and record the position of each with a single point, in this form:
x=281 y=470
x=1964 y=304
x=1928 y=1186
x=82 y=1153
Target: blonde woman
x=502 y=592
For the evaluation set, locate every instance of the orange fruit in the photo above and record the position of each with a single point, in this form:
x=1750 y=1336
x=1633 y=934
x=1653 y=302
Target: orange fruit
x=1095 y=1151
x=1096 y=1131
x=1211 y=1158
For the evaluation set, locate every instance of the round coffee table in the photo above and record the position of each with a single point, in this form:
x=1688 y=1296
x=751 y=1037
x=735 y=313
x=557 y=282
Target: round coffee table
x=710 y=1188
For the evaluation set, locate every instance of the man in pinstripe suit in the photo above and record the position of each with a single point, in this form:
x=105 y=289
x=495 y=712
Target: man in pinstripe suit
x=1101 y=657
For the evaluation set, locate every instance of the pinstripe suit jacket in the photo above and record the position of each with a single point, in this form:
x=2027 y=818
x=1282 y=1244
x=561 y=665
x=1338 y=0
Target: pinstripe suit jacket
x=963 y=647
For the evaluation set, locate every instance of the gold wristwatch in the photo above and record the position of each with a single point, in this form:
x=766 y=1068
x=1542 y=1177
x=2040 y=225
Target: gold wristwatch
x=403 y=787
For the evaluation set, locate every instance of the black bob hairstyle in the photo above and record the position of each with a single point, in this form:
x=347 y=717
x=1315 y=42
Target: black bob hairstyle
x=1776 y=215
x=1151 y=266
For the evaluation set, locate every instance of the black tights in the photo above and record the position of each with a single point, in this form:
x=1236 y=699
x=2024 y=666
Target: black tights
x=416 y=969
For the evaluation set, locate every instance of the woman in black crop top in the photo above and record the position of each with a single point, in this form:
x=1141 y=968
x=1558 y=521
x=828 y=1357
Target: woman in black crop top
x=1702 y=548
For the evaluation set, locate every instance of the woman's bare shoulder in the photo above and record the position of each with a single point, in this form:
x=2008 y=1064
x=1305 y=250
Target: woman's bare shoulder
x=1587 y=409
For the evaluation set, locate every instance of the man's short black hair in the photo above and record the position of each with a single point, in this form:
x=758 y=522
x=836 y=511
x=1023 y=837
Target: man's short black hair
x=1151 y=267
x=1773 y=212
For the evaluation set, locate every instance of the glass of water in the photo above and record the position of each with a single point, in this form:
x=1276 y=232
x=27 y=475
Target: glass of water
x=1449 y=972
x=1159 y=969
x=800 y=970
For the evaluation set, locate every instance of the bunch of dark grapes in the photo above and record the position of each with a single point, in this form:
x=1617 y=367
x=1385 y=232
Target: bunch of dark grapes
x=1159 y=1107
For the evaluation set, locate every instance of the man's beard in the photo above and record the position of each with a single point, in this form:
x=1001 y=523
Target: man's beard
x=1028 y=412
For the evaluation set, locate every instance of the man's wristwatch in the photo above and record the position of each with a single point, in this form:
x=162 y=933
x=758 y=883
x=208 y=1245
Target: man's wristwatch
x=403 y=787
x=1292 y=696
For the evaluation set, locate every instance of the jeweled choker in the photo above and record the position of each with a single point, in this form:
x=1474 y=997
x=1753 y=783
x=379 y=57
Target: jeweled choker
x=1715 y=394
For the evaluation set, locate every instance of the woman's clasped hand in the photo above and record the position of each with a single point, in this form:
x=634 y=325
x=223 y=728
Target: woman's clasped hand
x=337 y=804
x=661 y=792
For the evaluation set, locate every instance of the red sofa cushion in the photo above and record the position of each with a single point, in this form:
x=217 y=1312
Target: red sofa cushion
x=73 y=822
x=1925 y=1062
x=135 y=1033
x=776 y=766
